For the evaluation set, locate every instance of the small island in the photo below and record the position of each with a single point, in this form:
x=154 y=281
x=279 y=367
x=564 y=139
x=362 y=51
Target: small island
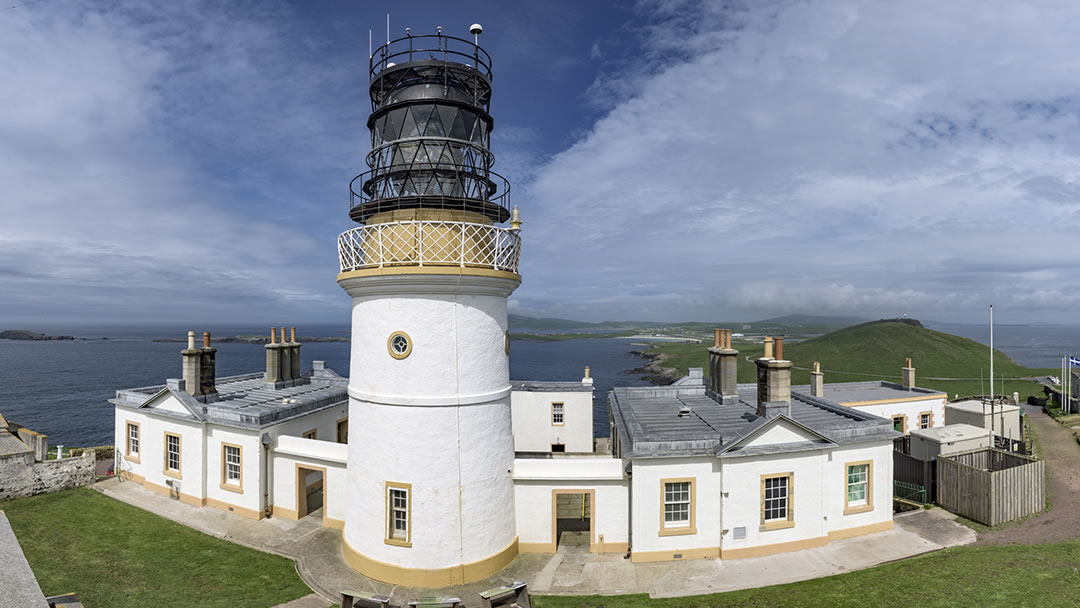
x=22 y=334
x=254 y=339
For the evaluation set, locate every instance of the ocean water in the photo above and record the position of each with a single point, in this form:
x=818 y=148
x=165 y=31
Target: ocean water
x=1030 y=345
x=61 y=388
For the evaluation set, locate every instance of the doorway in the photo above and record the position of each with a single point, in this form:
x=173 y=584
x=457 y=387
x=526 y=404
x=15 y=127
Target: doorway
x=572 y=520
x=310 y=491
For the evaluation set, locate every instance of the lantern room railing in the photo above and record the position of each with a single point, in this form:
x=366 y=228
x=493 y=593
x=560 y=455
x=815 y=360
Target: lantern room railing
x=429 y=243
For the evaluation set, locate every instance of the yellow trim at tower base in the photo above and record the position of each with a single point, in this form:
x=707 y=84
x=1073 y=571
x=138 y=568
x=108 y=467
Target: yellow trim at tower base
x=442 y=270
x=428 y=579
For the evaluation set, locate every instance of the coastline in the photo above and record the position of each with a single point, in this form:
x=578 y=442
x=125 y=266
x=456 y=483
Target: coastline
x=654 y=371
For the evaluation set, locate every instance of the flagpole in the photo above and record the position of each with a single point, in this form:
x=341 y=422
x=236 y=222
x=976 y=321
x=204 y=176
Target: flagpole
x=991 y=372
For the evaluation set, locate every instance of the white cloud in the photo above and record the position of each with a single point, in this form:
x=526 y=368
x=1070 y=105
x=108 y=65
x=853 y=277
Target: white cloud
x=907 y=155
x=121 y=199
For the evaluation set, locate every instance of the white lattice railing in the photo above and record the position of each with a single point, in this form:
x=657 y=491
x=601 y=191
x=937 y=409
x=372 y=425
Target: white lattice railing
x=429 y=243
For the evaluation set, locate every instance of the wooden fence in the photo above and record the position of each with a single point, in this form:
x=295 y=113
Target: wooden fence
x=990 y=486
x=909 y=469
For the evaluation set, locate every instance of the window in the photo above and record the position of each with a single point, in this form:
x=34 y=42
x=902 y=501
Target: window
x=677 y=506
x=133 y=441
x=312 y=434
x=777 y=494
x=925 y=420
x=398 y=513
x=859 y=496
x=172 y=455
x=557 y=414
x=230 y=461
x=899 y=423
x=343 y=430
x=558 y=447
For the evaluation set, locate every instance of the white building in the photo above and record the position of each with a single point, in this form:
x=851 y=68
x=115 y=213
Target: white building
x=435 y=466
x=906 y=405
x=1002 y=418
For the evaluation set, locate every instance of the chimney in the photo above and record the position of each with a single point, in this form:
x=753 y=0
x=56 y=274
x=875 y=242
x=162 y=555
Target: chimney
x=908 y=374
x=774 y=385
x=768 y=347
x=273 y=359
x=295 y=354
x=286 y=358
x=587 y=380
x=192 y=366
x=817 y=381
x=208 y=363
x=722 y=366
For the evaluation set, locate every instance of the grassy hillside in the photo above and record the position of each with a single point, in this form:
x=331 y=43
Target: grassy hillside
x=876 y=351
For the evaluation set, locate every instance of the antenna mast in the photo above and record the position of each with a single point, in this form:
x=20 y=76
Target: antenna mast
x=991 y=371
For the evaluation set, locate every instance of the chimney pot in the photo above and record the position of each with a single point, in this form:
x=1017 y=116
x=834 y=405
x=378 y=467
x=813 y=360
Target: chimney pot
x=727 y=338
x=206 y=339
x=283 y=340
x=292 y=335
x=273 y=335
x=779 y=349
x=768 y=347
x=817 y=367
x=587 y=368
x=718 y=337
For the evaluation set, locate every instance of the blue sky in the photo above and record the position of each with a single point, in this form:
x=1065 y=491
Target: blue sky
x=673 y=160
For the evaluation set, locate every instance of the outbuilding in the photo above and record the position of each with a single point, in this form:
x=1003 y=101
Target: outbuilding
x=1002 y=418
x=928 y=444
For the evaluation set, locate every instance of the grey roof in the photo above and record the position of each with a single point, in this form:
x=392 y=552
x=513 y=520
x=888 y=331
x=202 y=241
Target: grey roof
x=950 y=432
x=10 y=444
x=549 y=387
x=649 y=423
x=853 y=392
x=247 y=400
x=20 y=587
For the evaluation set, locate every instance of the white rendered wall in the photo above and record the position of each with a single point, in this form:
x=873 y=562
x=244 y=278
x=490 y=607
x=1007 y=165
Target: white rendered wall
x=287 y=453
x=533 y=430
x=324 y=421
x=911 y=410
x=536 y=479
x=648 y=505
x=152 y=448
x=251 y=487
x=819 y=493
x=438 y=419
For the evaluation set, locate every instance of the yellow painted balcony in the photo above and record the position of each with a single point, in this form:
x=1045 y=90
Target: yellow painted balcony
x=429 y=243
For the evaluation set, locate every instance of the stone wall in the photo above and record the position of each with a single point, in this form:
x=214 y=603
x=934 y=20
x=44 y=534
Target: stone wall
x=20 y=476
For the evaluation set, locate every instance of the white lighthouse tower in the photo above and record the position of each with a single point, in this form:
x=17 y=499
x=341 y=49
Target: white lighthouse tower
x=430 y=500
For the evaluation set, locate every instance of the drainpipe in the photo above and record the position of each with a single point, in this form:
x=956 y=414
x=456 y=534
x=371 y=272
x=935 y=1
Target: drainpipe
x=266 y=441
x=630 y=516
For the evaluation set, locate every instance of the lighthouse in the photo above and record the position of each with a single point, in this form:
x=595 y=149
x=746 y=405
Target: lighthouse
x=429 y=267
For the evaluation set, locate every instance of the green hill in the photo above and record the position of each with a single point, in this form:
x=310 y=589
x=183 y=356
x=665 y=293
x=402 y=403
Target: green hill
x=876 y=351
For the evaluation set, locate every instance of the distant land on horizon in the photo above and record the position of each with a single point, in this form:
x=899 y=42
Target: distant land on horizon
x=523 y=322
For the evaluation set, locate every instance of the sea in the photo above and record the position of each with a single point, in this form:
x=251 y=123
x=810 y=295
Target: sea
x=62 y=388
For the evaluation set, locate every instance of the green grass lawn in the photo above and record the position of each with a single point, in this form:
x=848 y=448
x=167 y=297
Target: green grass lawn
x=1013 y=575
x=115 y=555
x=876 y=351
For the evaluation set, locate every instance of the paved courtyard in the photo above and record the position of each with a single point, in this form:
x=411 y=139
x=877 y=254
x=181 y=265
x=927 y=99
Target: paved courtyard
x=570 y=571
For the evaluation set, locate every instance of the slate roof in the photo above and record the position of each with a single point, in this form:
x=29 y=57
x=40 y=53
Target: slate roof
x=18 y=585
x=247 y=400
x=877 y=390
x=549 y=387
x=649 y=423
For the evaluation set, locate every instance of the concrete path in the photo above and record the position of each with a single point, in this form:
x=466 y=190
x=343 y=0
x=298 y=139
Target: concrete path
x=571 y=571
x=308 y=601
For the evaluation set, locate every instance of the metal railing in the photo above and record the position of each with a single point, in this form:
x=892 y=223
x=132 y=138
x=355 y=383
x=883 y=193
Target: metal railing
x=429 y=243
x=430 y=46
x=435 y=185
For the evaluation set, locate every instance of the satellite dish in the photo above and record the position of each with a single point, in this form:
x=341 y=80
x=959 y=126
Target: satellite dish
x=475 y=29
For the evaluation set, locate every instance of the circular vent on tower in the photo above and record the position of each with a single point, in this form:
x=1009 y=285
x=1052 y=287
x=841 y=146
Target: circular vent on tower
x=399 y=344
